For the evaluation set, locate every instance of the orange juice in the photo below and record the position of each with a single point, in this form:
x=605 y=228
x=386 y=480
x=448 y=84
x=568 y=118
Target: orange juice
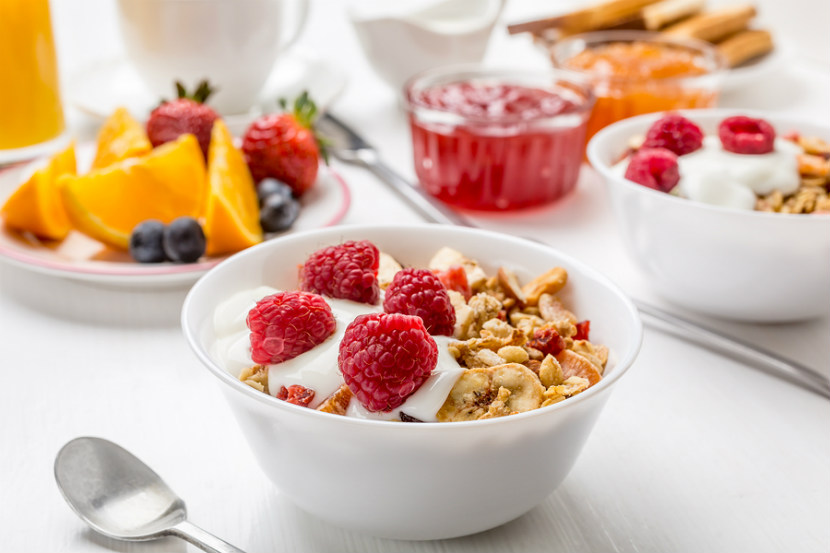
x=30 y=106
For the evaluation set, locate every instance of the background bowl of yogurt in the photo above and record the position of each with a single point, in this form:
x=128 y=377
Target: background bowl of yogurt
x=720 y=258
x=413 y=480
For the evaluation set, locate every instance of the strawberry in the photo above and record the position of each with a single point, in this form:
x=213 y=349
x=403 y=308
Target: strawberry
x=283 y=146
x=186 y=114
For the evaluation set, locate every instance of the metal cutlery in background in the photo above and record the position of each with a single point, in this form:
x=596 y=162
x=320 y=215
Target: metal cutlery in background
x=349 y=147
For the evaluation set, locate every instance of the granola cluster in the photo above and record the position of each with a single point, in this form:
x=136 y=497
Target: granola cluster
x=813 y=194
x=522 y=348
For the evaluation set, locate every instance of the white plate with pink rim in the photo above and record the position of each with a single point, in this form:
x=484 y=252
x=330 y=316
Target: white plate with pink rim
x=81 y=258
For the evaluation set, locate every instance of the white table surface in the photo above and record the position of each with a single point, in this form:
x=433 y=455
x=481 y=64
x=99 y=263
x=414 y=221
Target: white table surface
x=694 y=452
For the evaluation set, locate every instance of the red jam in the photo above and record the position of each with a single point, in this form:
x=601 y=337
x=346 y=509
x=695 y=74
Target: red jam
x=490 y=146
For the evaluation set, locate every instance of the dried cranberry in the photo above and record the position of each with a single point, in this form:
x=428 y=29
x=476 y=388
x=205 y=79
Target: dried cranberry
x=745 y=135
x=547 y=340
x=296 y=394
x=583 y=328
x=455 y=278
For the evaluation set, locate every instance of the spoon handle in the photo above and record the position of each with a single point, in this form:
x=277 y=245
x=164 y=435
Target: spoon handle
x=203 y=540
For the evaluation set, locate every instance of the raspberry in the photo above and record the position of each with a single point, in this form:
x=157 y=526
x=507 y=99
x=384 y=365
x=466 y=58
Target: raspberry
x=419 y=292
x=385 y=358
x=676 y=133
x=547 y=340
x=745 y=135
x=654 y=167
x=347 y=271
x=286 y=324
x=455 y=278
x=296 y=394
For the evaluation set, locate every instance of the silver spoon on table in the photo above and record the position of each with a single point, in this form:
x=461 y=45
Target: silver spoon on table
x=121 y=497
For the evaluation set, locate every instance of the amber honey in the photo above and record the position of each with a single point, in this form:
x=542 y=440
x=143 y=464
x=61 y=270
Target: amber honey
x=636 y=76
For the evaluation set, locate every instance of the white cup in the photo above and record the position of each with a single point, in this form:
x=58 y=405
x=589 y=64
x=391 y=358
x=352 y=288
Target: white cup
x=232 y=43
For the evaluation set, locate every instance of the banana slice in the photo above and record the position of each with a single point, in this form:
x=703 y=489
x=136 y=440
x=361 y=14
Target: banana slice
x=388 y=267
x=488 y=392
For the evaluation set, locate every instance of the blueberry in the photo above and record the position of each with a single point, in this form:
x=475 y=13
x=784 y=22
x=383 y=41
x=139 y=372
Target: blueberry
x=184 y=240
x=270 y=187
x=146 y=242
x=278 y=213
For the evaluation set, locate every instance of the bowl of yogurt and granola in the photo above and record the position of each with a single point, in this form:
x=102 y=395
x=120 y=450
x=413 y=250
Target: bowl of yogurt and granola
x=412 y=382
x=726 y=212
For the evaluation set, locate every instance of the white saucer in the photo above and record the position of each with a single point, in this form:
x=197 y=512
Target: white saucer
x=17 y=155
x=100 y=88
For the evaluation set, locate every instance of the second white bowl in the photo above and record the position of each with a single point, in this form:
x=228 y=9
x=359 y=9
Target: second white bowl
x=745 y=265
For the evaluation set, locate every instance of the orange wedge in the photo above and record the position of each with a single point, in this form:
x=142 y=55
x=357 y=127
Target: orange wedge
x=120 y=137
x=231 y=208
x=36 y=205
x=108 y=203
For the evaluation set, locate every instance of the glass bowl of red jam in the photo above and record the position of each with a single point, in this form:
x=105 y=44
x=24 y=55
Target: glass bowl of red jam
x=637 y=72
x=497 y=140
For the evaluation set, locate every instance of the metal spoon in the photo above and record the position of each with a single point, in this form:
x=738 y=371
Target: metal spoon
x=121 y=497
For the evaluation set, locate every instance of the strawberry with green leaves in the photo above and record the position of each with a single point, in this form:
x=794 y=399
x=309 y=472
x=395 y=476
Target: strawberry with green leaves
x=188 y=113
x=283 y=146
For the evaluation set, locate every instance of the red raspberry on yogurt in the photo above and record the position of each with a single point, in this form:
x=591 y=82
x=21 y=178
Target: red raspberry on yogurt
x=419 y=292
x=347 y=271
x=745 y=135
x=385 y=358
x=676 y=133
x=655 y=168
x=286 y=324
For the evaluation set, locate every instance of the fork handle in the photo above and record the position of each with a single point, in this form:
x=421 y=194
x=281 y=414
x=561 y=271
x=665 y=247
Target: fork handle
x=767 y=361
x=427 y=207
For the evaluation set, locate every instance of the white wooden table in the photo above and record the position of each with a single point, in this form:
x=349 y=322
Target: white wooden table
x=694 y=452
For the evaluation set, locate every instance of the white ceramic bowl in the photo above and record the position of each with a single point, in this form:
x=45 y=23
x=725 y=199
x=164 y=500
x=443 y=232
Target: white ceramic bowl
x=724 y=262
x=415 y=480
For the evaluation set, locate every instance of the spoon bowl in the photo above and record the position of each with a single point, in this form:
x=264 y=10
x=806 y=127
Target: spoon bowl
x=120 y=497
x=114 y=492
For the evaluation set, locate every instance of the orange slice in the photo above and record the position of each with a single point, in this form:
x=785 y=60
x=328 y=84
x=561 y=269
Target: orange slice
x=108 y=203
x=231 y=208
x=120 y=137
x=36 y=205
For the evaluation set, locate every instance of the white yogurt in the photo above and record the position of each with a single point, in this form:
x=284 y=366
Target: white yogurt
x=714 y=176
x=317 y=368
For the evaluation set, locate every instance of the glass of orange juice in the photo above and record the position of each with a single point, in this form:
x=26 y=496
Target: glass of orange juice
x=30 y=105
x=636 y=72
